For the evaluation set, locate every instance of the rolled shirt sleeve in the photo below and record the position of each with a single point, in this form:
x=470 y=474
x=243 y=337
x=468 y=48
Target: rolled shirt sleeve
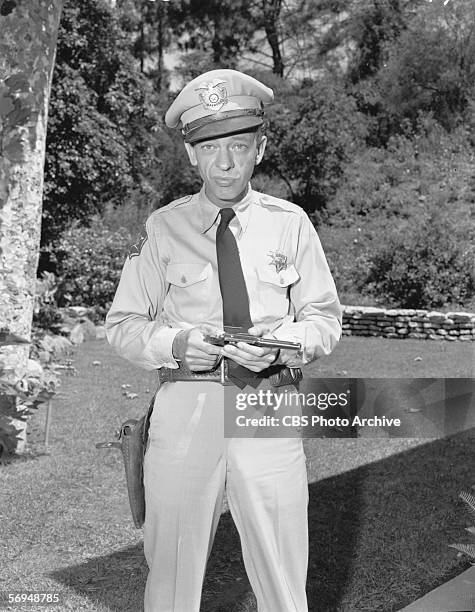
x=133 y=325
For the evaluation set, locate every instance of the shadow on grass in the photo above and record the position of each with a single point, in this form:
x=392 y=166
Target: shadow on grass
x=378 y=539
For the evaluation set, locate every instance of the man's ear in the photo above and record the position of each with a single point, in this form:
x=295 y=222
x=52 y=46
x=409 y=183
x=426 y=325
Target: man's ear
x=261 y=147
x=190 y=149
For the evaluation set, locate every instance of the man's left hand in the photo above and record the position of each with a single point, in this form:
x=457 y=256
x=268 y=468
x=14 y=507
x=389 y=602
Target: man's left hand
x=254 y=358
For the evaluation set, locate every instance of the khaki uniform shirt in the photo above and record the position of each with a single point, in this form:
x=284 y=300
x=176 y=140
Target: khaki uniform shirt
x=170 y=279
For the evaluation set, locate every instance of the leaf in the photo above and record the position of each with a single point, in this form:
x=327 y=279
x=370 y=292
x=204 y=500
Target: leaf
x=130 y=395
x=20 y=115
x=6 y=106
x=18 y=83
x=466 y=549
x=15 y=150
x=469 y=498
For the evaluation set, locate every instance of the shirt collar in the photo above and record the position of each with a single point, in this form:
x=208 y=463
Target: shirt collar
x=209 y=212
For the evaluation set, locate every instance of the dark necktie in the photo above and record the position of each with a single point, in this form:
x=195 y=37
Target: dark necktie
x=236 y=315
x=231 y=279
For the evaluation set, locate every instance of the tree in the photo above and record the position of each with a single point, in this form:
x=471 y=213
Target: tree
x=219 y=28
x=27 y=50
x=314 y=128
x=103 y=114
x=430 y=68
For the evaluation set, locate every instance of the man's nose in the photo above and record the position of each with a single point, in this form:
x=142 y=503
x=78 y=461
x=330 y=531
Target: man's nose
x=224 y=160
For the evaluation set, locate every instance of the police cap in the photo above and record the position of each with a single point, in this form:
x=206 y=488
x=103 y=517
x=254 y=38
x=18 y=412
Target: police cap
x=217 y=103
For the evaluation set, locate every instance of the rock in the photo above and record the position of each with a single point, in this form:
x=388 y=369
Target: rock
x=77 y=311
x=34 y=368
x=100 y=332
x=88 y=328
x=77 y=334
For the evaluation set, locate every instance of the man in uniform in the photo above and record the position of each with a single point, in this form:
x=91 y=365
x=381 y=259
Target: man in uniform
x=224 y=258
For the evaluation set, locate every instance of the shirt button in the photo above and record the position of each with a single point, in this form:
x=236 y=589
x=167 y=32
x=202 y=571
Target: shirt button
x=183 y=279
x=281 y=280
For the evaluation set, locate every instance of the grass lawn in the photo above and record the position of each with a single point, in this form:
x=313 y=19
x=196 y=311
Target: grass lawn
x=381 y=513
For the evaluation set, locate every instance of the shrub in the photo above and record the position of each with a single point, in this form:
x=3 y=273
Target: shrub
x=89 y=261
x=422 y=266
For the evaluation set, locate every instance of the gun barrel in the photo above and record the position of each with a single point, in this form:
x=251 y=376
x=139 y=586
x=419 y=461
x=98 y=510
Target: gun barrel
x=257 y=341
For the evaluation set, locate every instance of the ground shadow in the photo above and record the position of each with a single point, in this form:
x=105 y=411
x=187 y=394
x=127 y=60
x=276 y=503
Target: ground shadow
x=343 y=511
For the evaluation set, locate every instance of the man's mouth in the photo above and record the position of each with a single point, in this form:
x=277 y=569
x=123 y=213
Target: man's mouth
x=224 y=181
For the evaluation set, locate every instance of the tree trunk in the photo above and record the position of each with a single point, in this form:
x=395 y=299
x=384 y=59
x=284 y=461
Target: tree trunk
x=29 y=31
x=271 y=13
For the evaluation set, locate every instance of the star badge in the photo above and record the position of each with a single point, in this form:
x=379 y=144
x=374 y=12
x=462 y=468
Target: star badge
x=278 y=259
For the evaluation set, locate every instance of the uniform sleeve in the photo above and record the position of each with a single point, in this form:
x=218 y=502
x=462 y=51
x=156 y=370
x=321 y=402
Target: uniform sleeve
x=317 y=311
x=133 y=324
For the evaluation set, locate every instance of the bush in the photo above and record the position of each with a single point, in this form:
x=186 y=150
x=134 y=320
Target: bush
x=422 y=266
x=89 y=261
x=314 y=130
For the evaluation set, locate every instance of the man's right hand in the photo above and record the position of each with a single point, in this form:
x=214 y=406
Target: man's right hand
x=190 y=348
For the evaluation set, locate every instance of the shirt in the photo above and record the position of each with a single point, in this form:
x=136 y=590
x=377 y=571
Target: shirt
x=170 y=282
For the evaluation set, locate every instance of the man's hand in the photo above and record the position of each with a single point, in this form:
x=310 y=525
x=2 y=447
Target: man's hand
x=189 y=347
x=254 y=358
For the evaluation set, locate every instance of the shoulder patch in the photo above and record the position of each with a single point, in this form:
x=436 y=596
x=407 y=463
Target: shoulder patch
x=136 y=248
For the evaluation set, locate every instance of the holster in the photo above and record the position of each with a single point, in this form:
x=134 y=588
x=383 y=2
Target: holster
x=132 y=441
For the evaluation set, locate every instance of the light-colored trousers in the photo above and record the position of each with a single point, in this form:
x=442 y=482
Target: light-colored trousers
x=188 y=465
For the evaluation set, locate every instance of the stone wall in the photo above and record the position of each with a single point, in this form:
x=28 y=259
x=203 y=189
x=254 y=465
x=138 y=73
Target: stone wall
x=408 y=323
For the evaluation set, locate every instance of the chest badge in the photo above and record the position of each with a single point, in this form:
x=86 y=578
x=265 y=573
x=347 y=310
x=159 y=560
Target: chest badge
x=278 y=259
x=213 y=95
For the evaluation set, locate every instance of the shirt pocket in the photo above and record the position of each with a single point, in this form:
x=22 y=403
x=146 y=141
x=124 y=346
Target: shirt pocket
x=274 y=289
x=188 y=296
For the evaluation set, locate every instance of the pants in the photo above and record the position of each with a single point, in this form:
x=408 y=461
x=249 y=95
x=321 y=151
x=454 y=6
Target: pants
x=188 y=465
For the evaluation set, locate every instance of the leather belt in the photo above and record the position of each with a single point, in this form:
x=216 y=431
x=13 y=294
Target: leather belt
x=278 y=375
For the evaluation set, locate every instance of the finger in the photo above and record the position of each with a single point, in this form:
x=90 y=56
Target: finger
x=208 y=349
x=205 y=364
x=245 y=350
x=254 y=366
x=259 y=330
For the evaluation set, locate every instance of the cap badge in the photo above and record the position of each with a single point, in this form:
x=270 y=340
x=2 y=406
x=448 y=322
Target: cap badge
x=213 y=95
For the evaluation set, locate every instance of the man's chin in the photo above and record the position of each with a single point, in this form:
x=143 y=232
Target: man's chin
x=228 y=194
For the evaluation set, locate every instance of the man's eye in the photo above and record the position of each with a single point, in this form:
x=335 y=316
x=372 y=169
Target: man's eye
x=240 y=147
x=207 y=147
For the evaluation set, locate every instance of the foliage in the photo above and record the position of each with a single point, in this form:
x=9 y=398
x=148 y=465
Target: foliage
x=313 y=131
x=431 y=66
x=421 y=168
x=421 y=266
x=100 y=122
x=45 y=311
x=89 y=261
x=20 y=395
x=383 y=191
x=467 y=549
x=148 y=33
x=220 y=28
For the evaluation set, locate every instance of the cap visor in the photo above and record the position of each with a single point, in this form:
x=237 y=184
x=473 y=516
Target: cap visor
x=214 y=129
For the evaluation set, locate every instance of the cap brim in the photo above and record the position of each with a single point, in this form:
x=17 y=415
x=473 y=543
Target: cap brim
x=218 y=128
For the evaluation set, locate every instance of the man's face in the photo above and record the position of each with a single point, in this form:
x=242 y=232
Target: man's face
x=226 y=165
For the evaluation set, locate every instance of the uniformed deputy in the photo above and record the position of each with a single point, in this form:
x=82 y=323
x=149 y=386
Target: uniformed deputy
x=228 y=257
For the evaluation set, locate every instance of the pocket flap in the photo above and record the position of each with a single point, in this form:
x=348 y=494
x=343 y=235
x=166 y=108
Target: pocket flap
x=284 y=278
x=186 y=274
